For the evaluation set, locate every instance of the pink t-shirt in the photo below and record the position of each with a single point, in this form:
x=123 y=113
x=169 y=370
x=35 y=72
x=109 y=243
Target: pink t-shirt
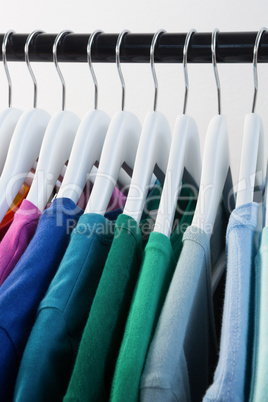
x=18 y=237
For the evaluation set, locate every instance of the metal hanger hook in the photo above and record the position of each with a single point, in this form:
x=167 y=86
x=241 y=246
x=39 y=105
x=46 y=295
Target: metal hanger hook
x=117 y=55
x=4 y=56
x=55 y=60
x=214 y=61
x=185 y=69
x=152 y=50
x=255 y=60
x=26 y=51
x=89 y=60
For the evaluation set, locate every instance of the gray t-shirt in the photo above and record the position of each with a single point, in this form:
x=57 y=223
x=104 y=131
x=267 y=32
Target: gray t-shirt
x=183 y=351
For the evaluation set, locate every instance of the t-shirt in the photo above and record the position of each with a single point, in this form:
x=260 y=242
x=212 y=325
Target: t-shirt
x=232 y=375
x=159 y=262
x=18 y=237
x=259 y=383
x=102 y=334
x=27 y=284
x=117 y=199
x=100 y=343
x=183 y=350
x=8 y=218
x=49 y=356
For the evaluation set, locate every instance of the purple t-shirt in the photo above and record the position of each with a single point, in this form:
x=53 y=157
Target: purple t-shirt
x=18 y=237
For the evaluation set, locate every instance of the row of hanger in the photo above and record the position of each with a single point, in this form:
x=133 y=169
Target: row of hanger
x=121 y=147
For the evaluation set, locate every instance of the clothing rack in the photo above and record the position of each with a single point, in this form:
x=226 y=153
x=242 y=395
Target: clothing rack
x=232 y=47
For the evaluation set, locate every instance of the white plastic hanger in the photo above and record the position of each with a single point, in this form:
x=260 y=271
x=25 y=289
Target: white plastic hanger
x=216 y=163
x=10 y=116
x=88 y=144
x=56 y=146
x=184 y=153
x=24 y=146
x=252 y=155
x=153 y=151
x=119 y=147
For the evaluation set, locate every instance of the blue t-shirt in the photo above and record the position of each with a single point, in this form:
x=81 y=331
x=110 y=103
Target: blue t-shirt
x=27 y=284
x=183 y=348
x=183 y=352
x=50 y=353
x=232 y=377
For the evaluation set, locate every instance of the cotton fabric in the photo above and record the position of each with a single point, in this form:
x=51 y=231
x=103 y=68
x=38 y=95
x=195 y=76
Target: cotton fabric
x=183 y=350
x=18 y=237
x=103 y=331
x=97 y=354
x=25 y=287
x=232 y=374
x=156 y=272
x=50 y=353
x=259 y=384
x=9 y=216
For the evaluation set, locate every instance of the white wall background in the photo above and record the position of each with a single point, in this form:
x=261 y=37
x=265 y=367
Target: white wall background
x=112 y=16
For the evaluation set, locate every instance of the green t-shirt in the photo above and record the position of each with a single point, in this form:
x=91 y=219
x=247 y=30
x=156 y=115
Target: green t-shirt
x=101 y=337
x=160 y=259
x=94 y=368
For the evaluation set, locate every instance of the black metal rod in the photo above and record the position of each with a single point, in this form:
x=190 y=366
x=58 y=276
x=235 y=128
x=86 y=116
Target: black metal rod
x=232 y=47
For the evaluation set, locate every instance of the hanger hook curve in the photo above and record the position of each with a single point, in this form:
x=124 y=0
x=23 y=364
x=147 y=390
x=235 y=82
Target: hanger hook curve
x=89 y=60
x=214 y=61
x=26 y=51
x=152 y=51
x=55 y=60
x=4 y=57
x=185 y=68
x=117 y=55
x=255 y=60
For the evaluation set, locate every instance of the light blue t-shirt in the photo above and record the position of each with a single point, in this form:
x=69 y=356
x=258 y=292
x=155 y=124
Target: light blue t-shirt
x=232 y=375
x=259 y=380
x=183 y=350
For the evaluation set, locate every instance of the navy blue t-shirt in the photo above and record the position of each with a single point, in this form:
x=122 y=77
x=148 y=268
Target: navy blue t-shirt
x=27 y=284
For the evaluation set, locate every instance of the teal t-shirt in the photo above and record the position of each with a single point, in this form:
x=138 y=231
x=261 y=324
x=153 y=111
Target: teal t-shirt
x=259 y=383
x=50 y=353
x=98 y=350
x=161 y=255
